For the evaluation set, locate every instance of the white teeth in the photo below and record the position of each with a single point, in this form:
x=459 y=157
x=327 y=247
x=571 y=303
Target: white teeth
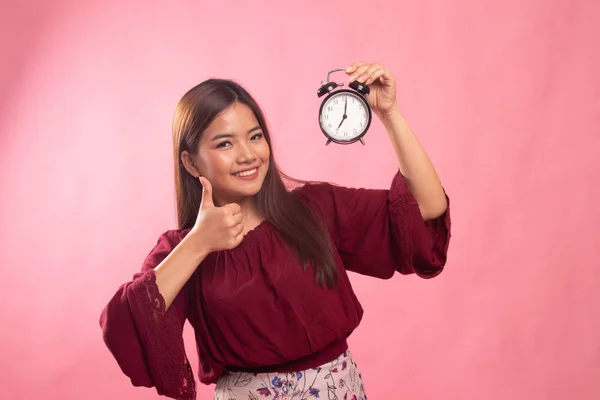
x=246 y=173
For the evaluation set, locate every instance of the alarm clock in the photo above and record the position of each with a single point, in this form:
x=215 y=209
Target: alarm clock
x=344 y=115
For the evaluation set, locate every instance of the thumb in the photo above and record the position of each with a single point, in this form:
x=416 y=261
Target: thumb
x=207 y=197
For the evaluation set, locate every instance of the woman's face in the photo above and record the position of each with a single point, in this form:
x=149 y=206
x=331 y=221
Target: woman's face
x=232 y=154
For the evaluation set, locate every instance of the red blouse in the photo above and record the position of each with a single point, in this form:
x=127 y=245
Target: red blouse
x=254 y=308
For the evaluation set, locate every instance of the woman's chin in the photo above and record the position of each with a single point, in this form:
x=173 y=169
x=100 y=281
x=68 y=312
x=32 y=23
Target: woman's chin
x=247 y=190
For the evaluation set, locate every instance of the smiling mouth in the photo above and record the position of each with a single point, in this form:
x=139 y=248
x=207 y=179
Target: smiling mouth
x=248 y=172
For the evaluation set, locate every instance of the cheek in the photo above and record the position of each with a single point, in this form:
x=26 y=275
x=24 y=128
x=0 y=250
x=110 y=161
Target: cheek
x=265 y=152
x=216 y=163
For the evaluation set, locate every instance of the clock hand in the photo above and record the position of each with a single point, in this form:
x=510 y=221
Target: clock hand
x=344 y=116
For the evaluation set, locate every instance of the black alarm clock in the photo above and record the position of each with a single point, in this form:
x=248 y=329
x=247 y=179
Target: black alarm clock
x=344 y=115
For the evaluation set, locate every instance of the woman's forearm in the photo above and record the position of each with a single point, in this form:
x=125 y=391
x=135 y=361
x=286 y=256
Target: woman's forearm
x=177 y=268
x=415 y=165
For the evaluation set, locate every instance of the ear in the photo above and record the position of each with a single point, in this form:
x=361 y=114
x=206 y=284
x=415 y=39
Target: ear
x=188 y=163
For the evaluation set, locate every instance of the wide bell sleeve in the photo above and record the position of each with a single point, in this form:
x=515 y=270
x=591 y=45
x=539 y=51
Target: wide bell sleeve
x=146 y=340
x=379 y=232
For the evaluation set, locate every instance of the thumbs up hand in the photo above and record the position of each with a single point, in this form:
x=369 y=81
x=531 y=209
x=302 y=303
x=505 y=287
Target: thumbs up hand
x=219 y=228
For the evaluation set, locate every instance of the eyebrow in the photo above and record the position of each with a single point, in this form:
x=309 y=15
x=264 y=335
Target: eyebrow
x=230 y=135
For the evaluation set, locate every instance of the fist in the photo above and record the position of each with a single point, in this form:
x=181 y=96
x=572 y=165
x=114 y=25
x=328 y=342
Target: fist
x=217 y=228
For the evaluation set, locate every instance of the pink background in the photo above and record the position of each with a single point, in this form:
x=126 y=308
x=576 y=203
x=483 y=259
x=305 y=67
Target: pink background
x=504 y=95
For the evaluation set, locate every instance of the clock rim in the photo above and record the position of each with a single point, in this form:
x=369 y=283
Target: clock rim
x=369 y=116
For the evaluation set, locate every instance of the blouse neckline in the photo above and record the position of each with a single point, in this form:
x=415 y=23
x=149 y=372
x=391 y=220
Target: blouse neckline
x=254 y=234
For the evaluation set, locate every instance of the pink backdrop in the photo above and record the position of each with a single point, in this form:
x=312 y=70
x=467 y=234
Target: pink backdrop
x=504 y=95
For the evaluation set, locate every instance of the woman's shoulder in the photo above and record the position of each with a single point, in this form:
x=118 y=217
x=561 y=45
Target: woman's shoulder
x=322 y=198
x=315 y=190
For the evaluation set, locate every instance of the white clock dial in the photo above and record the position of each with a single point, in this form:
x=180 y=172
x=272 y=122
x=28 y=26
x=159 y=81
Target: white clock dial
x=344 y=116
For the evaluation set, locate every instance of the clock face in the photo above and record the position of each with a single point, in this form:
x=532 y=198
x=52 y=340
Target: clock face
x=345 y=116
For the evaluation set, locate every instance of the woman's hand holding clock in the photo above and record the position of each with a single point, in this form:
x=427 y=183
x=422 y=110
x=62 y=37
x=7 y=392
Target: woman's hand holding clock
x=382 y=83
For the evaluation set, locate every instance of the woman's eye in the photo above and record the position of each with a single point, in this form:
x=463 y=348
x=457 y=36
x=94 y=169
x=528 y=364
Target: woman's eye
x=224 y=144
x=257 y=136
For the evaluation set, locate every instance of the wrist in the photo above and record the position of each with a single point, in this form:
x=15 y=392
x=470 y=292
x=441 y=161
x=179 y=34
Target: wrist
x=390 y=116
x=195 y=245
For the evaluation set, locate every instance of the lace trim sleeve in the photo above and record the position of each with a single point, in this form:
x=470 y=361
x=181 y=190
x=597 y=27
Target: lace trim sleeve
x=161 y=331
x=423 y=244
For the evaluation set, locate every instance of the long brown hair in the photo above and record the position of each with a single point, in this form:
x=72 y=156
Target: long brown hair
x=298 y=226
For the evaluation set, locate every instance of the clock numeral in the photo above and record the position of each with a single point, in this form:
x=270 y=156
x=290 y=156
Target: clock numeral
x=329 y=108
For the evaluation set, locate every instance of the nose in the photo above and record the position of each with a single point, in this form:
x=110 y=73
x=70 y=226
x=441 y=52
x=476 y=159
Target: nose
x=245 y=154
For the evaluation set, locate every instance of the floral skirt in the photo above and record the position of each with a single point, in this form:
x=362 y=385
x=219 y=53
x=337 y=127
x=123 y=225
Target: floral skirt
x=339 y=379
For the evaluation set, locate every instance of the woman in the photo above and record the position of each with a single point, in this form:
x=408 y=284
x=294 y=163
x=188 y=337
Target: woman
x=260 y=271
